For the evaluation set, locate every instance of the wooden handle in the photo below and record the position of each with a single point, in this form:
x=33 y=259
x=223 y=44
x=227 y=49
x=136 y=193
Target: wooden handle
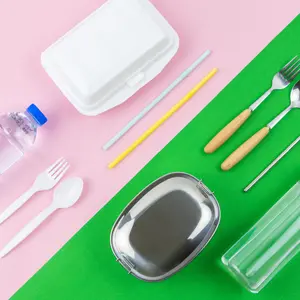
x=227 y=131
x=244 y=149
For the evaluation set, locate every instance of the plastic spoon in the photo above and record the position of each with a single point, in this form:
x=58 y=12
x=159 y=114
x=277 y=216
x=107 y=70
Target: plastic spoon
x=65 y=195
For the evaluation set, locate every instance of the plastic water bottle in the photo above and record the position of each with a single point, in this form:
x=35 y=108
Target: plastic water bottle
x=18 y=133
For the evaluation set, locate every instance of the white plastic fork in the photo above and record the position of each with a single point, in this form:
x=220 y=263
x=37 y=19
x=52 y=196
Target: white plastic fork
x=44 y=182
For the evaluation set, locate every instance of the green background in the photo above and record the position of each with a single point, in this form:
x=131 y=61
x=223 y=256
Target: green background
x=85 y=267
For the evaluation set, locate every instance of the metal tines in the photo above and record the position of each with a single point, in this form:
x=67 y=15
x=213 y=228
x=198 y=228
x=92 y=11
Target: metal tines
x=291 y=69
x=280 y=81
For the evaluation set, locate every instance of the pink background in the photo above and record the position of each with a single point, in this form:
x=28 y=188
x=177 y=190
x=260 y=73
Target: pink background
x=235 y=30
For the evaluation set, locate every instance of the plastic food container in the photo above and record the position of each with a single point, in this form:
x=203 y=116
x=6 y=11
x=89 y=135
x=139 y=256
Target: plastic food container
x=109 y=56
x=269 y=245
x=165 y=227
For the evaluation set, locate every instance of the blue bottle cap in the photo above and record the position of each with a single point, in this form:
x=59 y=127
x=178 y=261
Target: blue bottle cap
x=38 y=116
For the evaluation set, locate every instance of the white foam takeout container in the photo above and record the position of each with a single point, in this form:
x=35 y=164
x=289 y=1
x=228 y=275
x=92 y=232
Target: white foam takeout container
x=110 y=55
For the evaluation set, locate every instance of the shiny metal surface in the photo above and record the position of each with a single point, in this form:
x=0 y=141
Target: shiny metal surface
x=270 y=166
x=295 y=103
x=165 y=226
x=281 y=80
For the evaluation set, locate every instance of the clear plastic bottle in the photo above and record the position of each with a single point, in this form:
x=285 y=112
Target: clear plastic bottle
x=18 y=133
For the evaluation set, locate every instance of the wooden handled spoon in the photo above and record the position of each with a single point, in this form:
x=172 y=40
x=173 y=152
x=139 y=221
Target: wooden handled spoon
x=251 y=143
x=280 y=81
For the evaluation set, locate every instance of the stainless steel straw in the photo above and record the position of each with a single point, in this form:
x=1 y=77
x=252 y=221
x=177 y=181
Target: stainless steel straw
x=267 y=169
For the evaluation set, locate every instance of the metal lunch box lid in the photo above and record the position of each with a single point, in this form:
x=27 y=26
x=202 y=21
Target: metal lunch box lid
x=165 y=227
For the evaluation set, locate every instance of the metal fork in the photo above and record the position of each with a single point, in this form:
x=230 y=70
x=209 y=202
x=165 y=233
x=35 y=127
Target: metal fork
x=44 y=182
x=280 y=81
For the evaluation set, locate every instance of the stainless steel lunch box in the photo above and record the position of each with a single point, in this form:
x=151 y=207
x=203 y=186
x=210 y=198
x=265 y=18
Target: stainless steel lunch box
x=165 y=227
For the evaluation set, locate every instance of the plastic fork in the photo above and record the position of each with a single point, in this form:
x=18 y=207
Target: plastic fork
x=44 y=182
x=280 y=81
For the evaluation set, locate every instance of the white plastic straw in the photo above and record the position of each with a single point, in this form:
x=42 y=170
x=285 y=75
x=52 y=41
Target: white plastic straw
x=138 y=117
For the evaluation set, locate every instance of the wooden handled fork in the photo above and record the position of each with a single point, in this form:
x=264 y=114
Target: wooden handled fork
x=280 y=81
x=250 y=144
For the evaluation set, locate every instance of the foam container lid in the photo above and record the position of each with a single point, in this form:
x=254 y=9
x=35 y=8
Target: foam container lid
x=110 y=55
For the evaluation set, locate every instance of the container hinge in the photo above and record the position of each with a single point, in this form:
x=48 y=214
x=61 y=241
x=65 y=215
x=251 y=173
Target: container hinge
x=203 y=187
x=126 y=264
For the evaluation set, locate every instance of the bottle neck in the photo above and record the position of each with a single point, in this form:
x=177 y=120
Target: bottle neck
x=31 y=118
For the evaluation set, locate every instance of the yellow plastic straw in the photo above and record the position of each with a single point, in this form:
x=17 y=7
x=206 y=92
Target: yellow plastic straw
x=163 y=119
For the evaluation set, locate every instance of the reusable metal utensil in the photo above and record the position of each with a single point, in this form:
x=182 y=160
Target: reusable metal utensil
x=44 y=182
x=270 y=166
x=251 y=143
x=280 y=81
x=65 y=196
x=165 y=227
